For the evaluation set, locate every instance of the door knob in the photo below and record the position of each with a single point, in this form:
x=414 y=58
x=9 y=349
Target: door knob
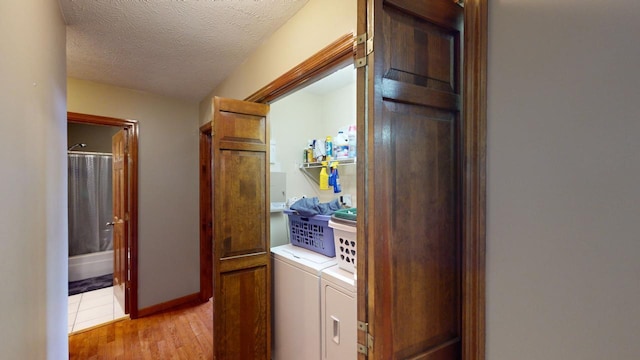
x=110 y=223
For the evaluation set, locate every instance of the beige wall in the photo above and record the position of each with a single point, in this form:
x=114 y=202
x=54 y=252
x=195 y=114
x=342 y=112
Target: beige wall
x=96 y=137
x=33 y=192
x=168 y=184
x=563 y=253
x=315 y=26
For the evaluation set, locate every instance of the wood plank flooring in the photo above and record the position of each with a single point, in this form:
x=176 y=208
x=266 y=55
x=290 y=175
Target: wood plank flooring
x=182 y=333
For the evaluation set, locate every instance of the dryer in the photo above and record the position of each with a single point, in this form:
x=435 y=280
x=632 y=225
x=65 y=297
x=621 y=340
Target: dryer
x=339 y=314
x=296 y=302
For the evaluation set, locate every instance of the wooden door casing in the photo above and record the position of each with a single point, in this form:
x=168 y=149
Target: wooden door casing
x=206 y=220
x=241 y=247
x=413 y=180
x=120 y=221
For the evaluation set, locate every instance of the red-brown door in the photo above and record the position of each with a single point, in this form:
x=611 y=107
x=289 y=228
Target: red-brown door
x=120 y=218
x=410 y=282
x=241 y=250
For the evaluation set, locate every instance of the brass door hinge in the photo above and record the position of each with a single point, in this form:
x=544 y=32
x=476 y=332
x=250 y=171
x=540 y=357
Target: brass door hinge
x=364 y=349
x=368 y=43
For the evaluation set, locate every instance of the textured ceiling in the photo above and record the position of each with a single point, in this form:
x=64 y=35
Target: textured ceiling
x=178 y=48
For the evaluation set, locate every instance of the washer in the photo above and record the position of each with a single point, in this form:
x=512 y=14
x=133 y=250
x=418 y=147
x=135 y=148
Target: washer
x=339 y=314
x=296 y=302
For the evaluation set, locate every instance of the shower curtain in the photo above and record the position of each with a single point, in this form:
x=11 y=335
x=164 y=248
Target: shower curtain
x=90 y=204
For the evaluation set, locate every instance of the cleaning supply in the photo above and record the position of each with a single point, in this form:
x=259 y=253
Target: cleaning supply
x=332 y=175
x=319 y=150
x=336 y=179
x=351 y=134
x=309 y=151
x=324 y=177
x=341 y=146
x=329 y=147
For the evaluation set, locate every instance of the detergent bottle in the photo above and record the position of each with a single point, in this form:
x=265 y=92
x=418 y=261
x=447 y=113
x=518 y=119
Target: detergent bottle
x=351 y=134
x=329 y=147
x=341 y=146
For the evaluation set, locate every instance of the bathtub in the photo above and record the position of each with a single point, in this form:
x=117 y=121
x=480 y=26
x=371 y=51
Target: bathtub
x=90 y=265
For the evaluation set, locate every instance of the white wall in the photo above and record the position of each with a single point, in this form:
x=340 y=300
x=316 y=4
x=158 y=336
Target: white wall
x=563 y=246
x=33 y=185
x=168 y=233
x=294 y=120
x=305 y=115
x=339 y=111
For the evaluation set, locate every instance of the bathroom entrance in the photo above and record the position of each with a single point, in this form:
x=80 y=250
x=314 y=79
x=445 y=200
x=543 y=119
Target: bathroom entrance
x=102 y=210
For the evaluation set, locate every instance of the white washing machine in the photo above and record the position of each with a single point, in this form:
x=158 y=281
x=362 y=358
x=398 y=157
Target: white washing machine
x=339 y=314
x=296 y=302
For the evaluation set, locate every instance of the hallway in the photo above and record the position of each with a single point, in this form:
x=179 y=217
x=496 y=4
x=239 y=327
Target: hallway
x=182 y=333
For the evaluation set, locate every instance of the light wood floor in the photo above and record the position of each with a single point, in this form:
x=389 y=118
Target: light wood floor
x=183 y=333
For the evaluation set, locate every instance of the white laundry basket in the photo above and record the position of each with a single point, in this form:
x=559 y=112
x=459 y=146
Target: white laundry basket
x=344 y=236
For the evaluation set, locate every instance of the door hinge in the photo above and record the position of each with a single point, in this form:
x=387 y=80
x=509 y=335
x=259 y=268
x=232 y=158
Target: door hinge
x=368 y=43
x=364 y=349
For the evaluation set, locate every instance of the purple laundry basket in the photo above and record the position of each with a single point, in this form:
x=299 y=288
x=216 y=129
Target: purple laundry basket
x=311 y=232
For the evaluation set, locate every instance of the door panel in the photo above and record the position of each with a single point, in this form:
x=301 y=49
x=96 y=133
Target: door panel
x=120 y=221
x=241 y=257
x=244 y=305
x=423 y=247
x=244 y=181
x=413 y=229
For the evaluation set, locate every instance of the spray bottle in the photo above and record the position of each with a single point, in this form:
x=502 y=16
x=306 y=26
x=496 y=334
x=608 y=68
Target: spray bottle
x=336 y=181
x=324 y=177
x=332 y=174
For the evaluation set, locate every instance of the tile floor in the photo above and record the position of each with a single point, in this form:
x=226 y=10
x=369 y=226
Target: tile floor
x=93 y=308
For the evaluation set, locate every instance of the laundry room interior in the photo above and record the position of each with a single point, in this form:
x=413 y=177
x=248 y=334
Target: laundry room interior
x=313 y=219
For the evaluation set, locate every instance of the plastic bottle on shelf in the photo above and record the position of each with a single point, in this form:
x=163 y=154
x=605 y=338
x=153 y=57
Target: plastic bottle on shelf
x=324 y=177
x=341 y=146
x=309 y=151
x=329 y=147
x=332 y=175
x=336 y=178
x=351 y=134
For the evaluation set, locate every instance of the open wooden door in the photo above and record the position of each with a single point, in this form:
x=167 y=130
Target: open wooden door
x=410 y=289
x=241 y=249
x=120 y=218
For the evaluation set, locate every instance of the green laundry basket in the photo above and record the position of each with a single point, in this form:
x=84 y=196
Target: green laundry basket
x=346 y=214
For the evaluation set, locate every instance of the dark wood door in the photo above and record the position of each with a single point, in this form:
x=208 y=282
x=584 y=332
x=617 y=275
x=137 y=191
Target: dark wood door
x=120 y=220
x=411 y=199
x=241 y=255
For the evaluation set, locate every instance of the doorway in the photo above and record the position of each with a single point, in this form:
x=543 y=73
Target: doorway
x=122 y=259
x=468 y=174
x=335 y=56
